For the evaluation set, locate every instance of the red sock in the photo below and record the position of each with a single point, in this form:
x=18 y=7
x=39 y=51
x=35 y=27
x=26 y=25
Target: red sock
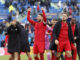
x=74 y=53
x=30 y=58
x=56 y=58
x=68 y=58
x=36 y=58
x=19 y=58
x=53 y=56
x=10 y=59
x=41 y=57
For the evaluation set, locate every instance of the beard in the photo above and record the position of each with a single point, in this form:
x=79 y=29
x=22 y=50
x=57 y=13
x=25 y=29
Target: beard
x=39 y=20
x=64 y=20
x=73 y=23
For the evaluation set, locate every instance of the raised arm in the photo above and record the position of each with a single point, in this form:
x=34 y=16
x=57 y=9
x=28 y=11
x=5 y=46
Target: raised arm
x=28 y=17
x=44 y=15
x=49 y=28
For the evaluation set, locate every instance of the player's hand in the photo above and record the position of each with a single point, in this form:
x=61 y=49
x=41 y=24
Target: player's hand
x=47 y=33
x=75 y=38
x=42 y=8
x=56 y=42
x=29 y=9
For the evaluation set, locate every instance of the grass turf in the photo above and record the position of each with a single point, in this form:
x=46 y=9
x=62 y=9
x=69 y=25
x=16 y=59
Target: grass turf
x=23 y=57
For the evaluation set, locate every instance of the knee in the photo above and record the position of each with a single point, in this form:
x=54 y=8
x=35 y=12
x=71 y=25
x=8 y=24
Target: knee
x=16 y=54
x=58 y=55
x=68 y=54
x=35 y=55
x=41 y=54
x=28 y=54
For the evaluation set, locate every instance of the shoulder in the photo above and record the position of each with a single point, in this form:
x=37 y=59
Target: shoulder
x=58 y=23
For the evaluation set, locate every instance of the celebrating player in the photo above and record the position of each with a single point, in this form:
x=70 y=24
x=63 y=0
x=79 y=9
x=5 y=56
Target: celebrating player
x=40 y=28
x=62 y=36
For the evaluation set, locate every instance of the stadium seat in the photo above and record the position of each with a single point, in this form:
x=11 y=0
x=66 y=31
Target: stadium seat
x=55 y=1
x=78 y=1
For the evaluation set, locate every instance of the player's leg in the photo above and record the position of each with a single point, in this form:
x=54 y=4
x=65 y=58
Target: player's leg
x=47 y=50
x=15 y=54
x=68 y=55
x=73 y=47
x=57 y=56
x=48 y=54
x=35 y=50
x=19 y=56
x=41 y=49
x=62 y=57
x=28 y=54
x=36 y=57
x=53 y=55
x=59 y=50
x=41 y=56
x=78 y=51
x=79 y=55
x=11 y=57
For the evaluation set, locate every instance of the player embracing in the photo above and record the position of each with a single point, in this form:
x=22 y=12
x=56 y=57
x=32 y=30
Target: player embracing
x=62 y=37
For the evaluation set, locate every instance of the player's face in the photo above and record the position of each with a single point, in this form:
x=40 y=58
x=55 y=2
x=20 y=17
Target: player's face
x=64 y=17
x=39 y=18
x=73 y=21
x=53 y=22
x=14 y=22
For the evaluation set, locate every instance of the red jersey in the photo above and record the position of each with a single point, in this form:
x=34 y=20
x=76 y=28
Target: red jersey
x=40 y=28
x=6 y=38
x=73 y=29
x=63 y=36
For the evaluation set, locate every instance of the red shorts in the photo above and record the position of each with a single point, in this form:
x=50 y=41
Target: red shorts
x=64 y=46
x=39 y=47
x=73 y=47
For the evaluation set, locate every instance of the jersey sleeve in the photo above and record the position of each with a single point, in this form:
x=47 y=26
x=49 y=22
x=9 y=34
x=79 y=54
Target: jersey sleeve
x=29 y=19
x=44 y=16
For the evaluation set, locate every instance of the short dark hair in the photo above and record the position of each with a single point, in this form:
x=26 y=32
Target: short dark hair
x=40 y=14
x=54 y=19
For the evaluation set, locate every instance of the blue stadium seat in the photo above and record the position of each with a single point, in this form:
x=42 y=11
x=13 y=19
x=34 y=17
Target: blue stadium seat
x=63 y=1
x=55 y=1
x=78 y=1
x=77 y=18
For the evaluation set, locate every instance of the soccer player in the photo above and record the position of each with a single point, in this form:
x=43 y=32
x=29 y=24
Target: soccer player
x=62 y=36
x=24 y=44
x=52 y=23
x=40 y=28
x=75 y=35
x=78 y=40
x=47 y=41
x=25 y=47
x=13 y=32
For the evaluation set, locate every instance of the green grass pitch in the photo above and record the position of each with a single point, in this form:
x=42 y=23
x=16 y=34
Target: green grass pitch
x=23 y=57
